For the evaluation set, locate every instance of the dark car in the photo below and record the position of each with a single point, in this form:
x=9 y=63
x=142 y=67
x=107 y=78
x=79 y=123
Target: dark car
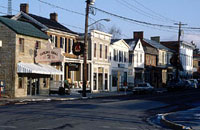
x=143 y=88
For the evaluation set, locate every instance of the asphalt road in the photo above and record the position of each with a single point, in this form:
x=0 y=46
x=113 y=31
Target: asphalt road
x=116 y=113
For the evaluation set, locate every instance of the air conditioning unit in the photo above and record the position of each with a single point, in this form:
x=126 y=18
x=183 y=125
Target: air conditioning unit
x=0 y=43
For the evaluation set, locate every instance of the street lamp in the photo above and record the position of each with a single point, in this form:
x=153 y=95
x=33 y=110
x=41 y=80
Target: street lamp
x=107 y=20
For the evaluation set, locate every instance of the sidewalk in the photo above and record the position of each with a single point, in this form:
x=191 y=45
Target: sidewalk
x=183 y=120
x=55 y=97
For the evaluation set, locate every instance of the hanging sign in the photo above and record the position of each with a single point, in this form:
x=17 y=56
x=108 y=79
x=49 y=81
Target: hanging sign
x=78 y=48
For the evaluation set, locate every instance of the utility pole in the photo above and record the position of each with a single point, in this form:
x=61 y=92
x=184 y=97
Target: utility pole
x=85 y=76
x=178 y=53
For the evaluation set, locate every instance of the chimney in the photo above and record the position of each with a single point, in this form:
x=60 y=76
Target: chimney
x=138 y=35
x=24 y=8
x=54 y=17
x=156 y=38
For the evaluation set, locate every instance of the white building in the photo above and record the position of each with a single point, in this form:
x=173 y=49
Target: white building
x=136 y=61
x=119 y=52
x=186 y=57
x=98 y=53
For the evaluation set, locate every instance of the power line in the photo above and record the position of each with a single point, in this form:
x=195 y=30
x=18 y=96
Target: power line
x=136 y=21
x=140 y=11
x=157 y=14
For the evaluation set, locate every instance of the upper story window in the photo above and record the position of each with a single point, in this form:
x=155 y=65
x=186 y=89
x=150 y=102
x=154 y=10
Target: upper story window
x=110 y=56
x=125 y=56
x=106 y=52
x=95 y=50
x=54 y=40
x=130 y=58
x=100 y=50
x=62 y=42
x=115 y=55
x=21 y=45
x=38 y=45
x=70 y=44
x=140 y=58
x=120 y=56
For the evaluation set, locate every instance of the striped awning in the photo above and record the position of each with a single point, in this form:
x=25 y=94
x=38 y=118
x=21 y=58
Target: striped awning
x=37 y=69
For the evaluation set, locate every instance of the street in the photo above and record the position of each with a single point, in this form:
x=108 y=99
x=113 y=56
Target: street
x=115 y=113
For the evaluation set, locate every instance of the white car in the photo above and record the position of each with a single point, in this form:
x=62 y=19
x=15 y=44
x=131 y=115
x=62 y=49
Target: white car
x=143 y=88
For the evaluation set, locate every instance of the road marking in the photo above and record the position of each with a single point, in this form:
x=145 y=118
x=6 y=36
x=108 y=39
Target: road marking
x=11 y=127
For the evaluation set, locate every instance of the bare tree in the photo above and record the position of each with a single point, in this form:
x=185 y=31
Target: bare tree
x=98 y=26
x=115 y=31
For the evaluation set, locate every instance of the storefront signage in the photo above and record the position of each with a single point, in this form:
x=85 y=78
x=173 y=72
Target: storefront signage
x=121 y=65
x=49 y=55
x=73 y=66
x=78 y=48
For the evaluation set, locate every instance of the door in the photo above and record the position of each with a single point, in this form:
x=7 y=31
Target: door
x=100 y=81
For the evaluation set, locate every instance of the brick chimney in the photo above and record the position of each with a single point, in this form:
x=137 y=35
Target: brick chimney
x=138 y=35
x=54 y=16
x=24 y=8
x=156 y=38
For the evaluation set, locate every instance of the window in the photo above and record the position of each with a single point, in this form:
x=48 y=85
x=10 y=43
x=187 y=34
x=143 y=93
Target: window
x=21 y=45
x=110 y=56
x=38 y=45
x=163 y=57
x=100 y=50
x=69 y=45
x=20 y=82
x=140 y=58
x=95 y=49
x=106 y=52
x=45 y=83
x=114 y=54
x=125 y=58
x=139 y=45
x=65 y=44
x=54 y=40
x=137 y=57
x=130 y=58
x=120 y=56
x=62 y=42
x=95 y=81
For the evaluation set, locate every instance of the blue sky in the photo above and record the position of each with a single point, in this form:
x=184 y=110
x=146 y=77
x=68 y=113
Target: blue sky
x=164 y=12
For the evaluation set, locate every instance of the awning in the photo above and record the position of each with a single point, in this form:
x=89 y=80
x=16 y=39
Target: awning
x=37 y=69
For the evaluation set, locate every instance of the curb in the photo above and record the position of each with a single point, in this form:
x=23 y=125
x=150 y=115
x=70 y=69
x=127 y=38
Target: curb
x=25 y=101
x=171 y=124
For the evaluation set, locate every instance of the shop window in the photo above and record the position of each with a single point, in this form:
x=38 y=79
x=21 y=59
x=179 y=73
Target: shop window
x=45 y=83
x=21 y=45
x=20 y=82
x=106 y=81
x=95 y=81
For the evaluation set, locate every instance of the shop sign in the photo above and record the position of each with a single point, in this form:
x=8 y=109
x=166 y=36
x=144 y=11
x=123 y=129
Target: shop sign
x=78 y=48
x=49 y=55
x=73 y=66
x=121 y=65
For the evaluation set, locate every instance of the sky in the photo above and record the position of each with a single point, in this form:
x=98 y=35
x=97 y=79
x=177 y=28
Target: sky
x=160 y=12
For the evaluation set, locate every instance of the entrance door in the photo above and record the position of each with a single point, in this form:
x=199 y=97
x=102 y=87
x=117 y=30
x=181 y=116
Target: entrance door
x=100 y=81
x=33 y=86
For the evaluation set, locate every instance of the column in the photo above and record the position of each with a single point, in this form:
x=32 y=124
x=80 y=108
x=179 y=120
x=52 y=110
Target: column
x=92 y=78
x=103 y=78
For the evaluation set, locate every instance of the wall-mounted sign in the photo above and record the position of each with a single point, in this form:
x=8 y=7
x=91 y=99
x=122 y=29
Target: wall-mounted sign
x=78 y=48
x=49 y=54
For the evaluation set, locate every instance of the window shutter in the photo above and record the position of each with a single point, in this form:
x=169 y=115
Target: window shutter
x=65 y=44
x=56 y=45
x=69 y=45
x=61 y=42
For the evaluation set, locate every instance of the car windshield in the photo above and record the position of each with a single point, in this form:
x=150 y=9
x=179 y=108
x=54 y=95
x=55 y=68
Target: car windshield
x=142 y=85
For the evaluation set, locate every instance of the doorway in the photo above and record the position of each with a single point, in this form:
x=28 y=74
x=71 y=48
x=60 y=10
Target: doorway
x=33 y=86
x=100 y=81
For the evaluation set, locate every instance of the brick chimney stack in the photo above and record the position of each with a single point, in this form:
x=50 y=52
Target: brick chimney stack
x=156 y=38
x=138 y=35
x=24 y=8
x=54 y=17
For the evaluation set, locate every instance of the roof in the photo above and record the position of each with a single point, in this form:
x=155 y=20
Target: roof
x=131 y=42
x=156 y=44
x=23 y=28
x=51 y=24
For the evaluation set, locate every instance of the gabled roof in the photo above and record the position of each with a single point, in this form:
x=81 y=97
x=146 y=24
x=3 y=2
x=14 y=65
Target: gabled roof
x=131 y=42
x=43 y=22
x=23 y=28
x=156 y=45
x=51 y=24
x=116 y=40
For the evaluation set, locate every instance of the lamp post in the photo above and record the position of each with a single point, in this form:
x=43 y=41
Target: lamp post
x=107 y=20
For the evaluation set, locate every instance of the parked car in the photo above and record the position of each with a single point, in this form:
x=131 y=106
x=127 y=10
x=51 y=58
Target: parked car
x=143 y=88
x=174 y=85
x=194 y=83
